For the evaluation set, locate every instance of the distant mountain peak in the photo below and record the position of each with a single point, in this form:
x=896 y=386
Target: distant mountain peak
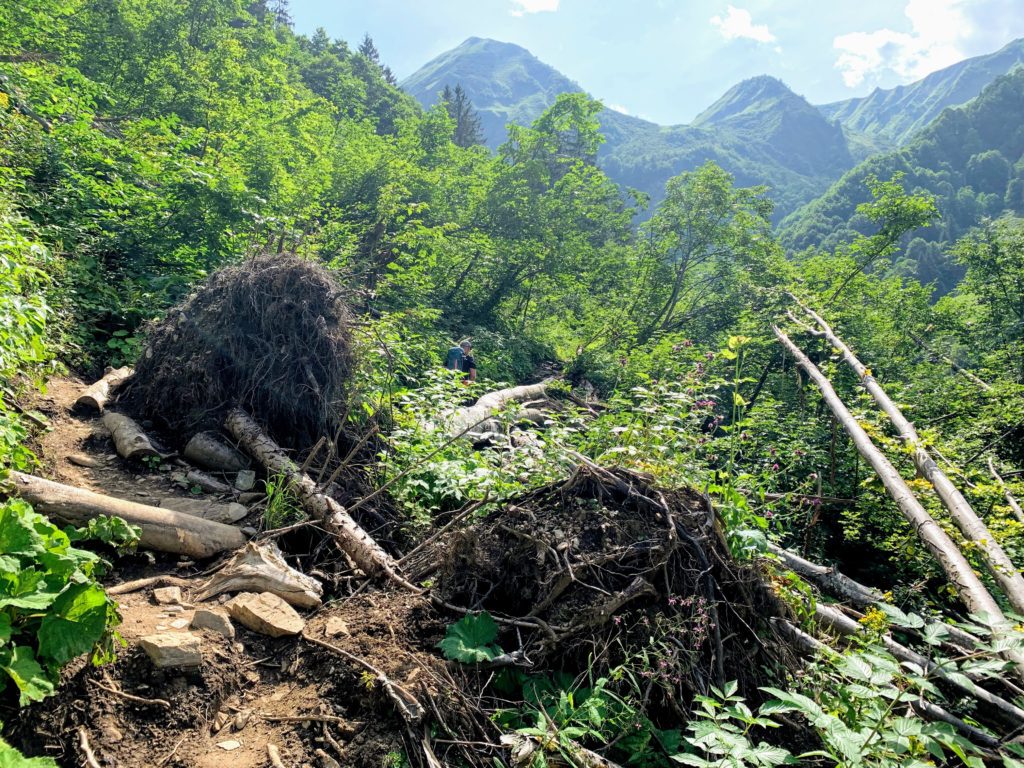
x=755 y=94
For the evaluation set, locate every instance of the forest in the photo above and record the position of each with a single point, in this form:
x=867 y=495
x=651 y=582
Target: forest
x=723 y=493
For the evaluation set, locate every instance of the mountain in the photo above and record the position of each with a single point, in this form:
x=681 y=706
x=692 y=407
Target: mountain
x=506 y=83
x=760 y=131
x=896 y=114
x=971 y=158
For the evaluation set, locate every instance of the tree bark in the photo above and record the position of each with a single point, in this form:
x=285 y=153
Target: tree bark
x=1010 y=500
x=967 y=520
x=162 y=529
x=129 y=439
x=829 y=580
x=95 y=396
x=209 y=451
x=461 y=419
x=353 y=540
x=261 y=568
x=1009 y=713
x=967 y=584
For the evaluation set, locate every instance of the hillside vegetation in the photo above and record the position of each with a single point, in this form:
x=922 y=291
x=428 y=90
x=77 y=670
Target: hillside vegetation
x=680 y=516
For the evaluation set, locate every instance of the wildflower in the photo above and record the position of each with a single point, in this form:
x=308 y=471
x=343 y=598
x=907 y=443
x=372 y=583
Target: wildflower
x=775 y=467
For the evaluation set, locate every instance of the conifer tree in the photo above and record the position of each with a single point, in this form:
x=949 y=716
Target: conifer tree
x=468 y=131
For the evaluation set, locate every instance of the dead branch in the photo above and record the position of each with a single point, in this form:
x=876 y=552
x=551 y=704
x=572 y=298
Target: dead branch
x=352 y=539
x=407 y=705
x=460 y=421
x=83 y=744
x=829 y=580
x=951 y=363
x=967 y=520
x=164 y=704
x=151 y=581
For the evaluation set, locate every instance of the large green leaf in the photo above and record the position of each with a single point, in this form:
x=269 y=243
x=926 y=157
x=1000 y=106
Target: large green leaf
x=471 y=639
x=74 y=624
x=12 y=758
x=18 y=532
x=21 y=666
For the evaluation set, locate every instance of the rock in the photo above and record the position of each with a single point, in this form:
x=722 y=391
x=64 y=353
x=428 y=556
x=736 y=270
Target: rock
x=336 y=626
x=245 y=480
x=168 y=610
x=249 y=531
x=83 y=460
x=216 y=621
x=251 y=498
x=209 y=510
x=229 y=745
x=266 y=613
x=180 y=623
x=167 y=596
x=173 y=650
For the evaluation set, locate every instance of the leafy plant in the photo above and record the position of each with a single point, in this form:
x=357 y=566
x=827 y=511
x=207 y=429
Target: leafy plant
x=52 y=610
x=281 y=507
x=471 y=639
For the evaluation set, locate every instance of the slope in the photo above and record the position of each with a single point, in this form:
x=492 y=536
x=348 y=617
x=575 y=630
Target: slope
x=896 y=114
x=971 y=158
x=760 y=131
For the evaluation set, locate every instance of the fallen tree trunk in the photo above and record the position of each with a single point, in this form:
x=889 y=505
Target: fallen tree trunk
x=967 y=584
x=209 y=451
x=923 y=707
x=1009 y=714
x=962 y=513
x=129 y=439
x=162 y=529
x=96 y=395
x=353 y=540
x=1010 y=500
x=829 y=580
x=461 y=419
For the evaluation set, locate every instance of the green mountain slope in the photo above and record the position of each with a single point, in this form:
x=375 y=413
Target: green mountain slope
x=896 y=114
x=760 y=131
x=971 y=158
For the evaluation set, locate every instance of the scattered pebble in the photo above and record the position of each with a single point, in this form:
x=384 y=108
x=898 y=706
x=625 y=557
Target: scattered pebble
x=214 y=620
x=173 y=650
x=245 y=480
x=229 y=745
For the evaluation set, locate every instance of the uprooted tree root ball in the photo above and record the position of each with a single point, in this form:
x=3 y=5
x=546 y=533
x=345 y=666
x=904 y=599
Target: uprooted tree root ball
x=270 y=334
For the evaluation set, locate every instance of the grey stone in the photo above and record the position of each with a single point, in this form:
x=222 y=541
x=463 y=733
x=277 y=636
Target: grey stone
x=180 y=623
x=266 y=613
x=245 y=480
x=167 y=596
x=214 y=620
x=169 y=650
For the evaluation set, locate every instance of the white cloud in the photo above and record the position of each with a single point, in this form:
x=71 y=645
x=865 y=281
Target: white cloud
x=939 y=30
x=618 y=108
x=521 y=7
x=738 y=23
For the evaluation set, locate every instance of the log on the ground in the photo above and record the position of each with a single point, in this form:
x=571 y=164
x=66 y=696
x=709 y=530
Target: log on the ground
x=463 y=419
x=95 y=396
x=262 y=568
x=1008 y=714
x=162 y=529
x=129 y=439
x=219 y=512
x=353 y=540
x=209 y=451
x=829 y=580
x=960 y=510
x=958 y=570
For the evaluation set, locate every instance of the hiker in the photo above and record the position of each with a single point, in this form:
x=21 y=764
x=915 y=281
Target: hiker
x=460 y=358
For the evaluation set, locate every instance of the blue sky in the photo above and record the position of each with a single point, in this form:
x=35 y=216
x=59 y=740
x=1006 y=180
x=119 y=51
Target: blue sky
x=666 y=60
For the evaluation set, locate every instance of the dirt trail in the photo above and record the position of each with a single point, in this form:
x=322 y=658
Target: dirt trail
x=242 y=682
